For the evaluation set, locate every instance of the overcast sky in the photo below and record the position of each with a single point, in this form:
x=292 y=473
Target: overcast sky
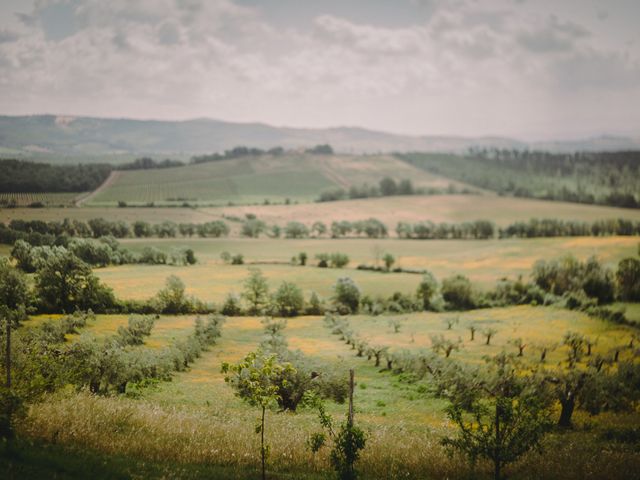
x=533 y=69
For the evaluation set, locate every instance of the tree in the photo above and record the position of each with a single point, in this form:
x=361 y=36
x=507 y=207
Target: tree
x=388 y=186
x=628 y=279
x=302 y=258
x=457 y=292
x=65 y=283
x=296 y=230
x=13 y=302
x=338 y=260
x=388 y=260
x=427 y=289
x=441 y=344
x=488 y=334
x=255 y=380
x=288 y=299
x=172 y=298
x=256 y=291
x=499 y=413
x=318 y=229
x=347 y=294
x=347 y=442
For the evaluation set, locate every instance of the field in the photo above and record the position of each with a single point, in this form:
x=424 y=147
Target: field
x=46 y=199
x=193 y=426
x=389 y=210
x=196 y=420
x=484 y=262
x=249 y=180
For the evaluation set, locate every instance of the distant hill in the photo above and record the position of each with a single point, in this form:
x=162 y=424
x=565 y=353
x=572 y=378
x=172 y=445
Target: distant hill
x=66 y=138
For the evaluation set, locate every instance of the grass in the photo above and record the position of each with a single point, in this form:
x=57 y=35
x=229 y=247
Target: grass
x=484 y=262
x=253 y=179
x=195 y=422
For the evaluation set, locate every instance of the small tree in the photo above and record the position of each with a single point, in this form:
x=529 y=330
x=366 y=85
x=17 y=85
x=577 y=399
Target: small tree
x=388 y=260
x=347 y=295
x=255 y=380
x=256 y=291
x=451 y=321
x=288 y=300
x=489 y=334
x=347 y=441
x=427 y=289
x=520 y=345
x=395 y=324
x=472 y=330
x=172 y=298
x=499 y=413
x=457 y=292
x=441 y=344
x=302 y=258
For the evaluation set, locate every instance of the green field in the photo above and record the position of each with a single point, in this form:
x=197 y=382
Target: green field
x=484 y=262
x=196 y=420
x=251 y=180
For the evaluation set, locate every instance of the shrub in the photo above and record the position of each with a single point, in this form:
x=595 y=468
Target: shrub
x=457 y=292
x=346 y=295
x=288 y=300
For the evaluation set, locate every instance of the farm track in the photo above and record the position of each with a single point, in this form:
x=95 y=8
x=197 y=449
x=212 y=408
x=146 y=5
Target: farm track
x=80 y=200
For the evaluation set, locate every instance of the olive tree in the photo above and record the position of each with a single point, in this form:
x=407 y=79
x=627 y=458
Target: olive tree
x=255 y=380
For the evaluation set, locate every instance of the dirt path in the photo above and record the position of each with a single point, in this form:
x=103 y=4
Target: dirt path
x=85 y=197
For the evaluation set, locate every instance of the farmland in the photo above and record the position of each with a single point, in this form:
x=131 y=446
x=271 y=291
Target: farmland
x=195 y=420
x=249 y=180
x=484 y=262
x=14 y=200
x=161 y=406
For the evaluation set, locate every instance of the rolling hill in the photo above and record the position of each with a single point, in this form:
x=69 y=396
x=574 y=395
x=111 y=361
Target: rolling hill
x=75 y=139
x=254 y=179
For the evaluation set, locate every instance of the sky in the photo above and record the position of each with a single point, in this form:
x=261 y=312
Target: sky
x=529 y=69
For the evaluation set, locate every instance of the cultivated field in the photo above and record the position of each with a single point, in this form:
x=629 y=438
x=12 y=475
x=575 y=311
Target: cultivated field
x=42 y=199
x=248 y=180
x=389 y=210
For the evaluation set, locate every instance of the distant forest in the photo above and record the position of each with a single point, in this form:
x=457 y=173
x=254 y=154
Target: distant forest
x=604 y=178
x=22 y=176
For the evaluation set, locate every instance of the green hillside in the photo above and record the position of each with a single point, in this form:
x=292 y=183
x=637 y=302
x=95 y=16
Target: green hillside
x=298 y=177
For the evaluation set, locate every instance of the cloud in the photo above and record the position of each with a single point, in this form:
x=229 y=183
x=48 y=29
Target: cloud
x=554 y=36
x=467 y=66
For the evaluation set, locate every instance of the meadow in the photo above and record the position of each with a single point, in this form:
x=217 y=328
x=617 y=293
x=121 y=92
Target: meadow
x=483 y=261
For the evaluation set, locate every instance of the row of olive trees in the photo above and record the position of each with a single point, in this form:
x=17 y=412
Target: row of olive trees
x=504 y=409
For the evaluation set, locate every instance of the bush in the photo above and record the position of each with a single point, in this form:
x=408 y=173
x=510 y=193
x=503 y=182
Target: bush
x=346 y=295
x=628 y=279
x=296 y=230
x=457 y=292
x=172 y=299
x=288 y=300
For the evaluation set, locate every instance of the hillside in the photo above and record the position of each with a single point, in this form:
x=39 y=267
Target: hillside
x=75 y=139
x=254 y=179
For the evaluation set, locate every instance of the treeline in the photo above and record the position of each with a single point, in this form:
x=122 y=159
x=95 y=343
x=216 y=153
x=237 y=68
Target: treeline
x=24 y=176
x=603 y=178
x=38 y=232
x=386 y=188
x=97 y=253
x=242 y=151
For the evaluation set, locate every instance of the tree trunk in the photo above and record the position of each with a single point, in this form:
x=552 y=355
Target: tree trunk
x=496 y=453
x=568 y=405
x=262 y=452
x=8 y=353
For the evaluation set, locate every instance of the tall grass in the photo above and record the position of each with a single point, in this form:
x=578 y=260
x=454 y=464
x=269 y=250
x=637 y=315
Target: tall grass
x=215 y=436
